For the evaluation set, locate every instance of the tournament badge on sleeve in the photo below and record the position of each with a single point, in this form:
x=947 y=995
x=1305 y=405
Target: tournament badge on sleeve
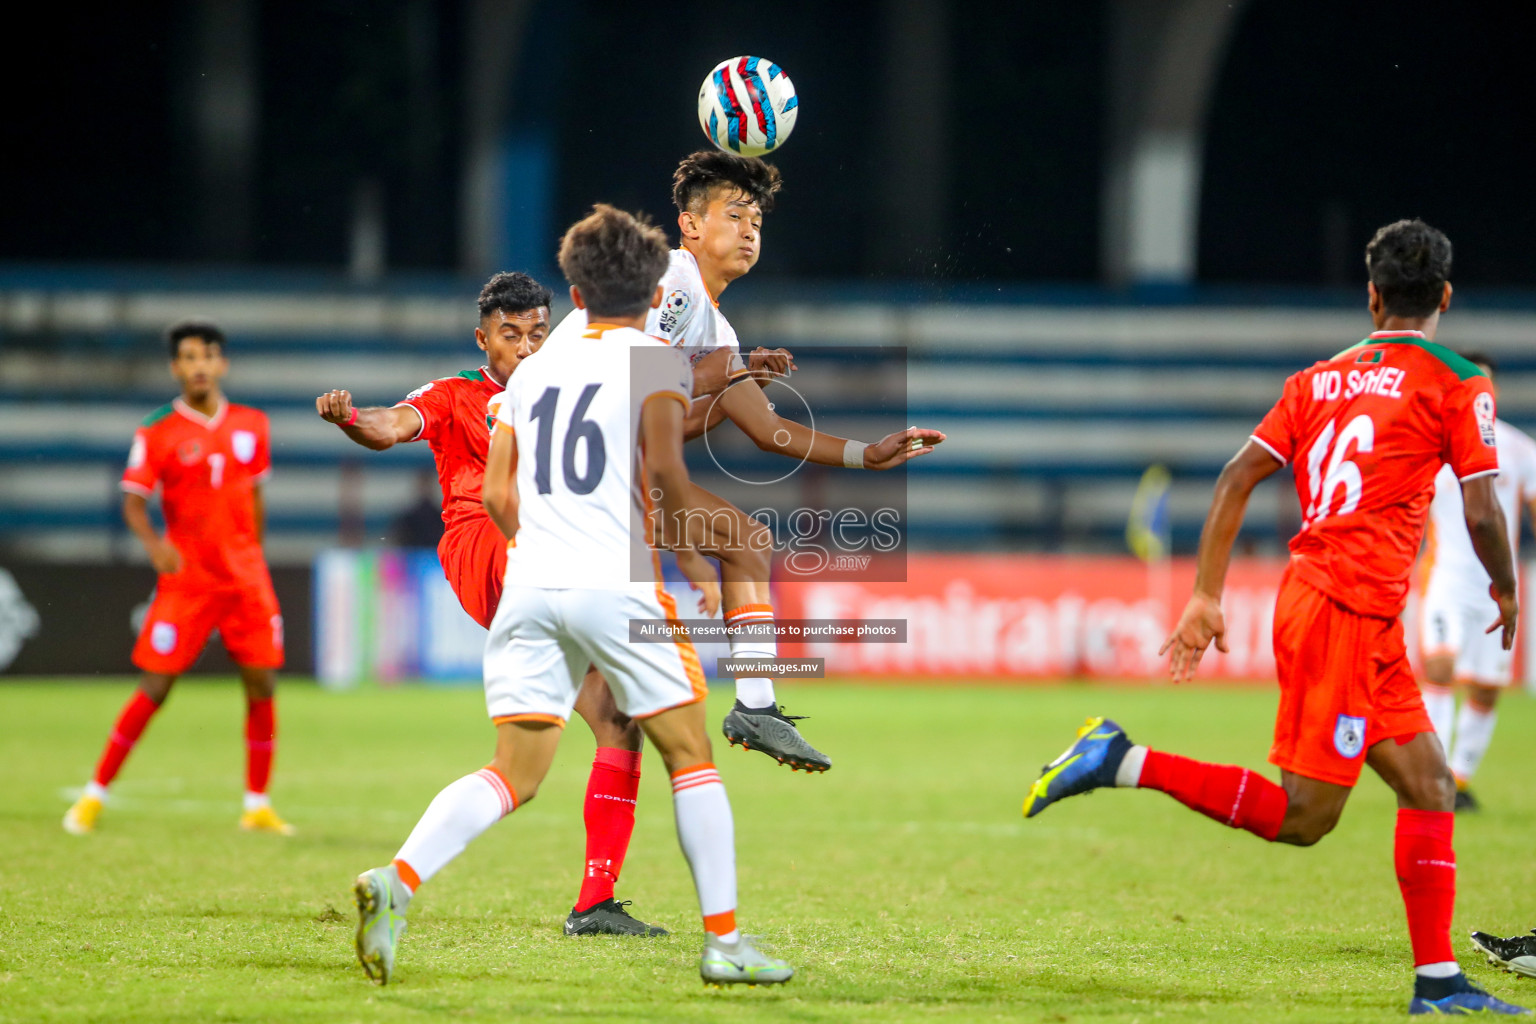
x=244 y=444
x=1349 y=736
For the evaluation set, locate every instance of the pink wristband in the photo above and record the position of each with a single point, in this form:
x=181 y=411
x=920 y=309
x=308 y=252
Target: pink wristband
x=350 y=419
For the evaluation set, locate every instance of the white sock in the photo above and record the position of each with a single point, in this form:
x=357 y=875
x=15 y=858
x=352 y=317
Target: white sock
x=256 y=801
x=458 y=814
x=750 y=639
x=97 y=790
x=1474 y=731
x=707 y=834
x=1440 y=702
x=1444 y=969
x=1128 y=774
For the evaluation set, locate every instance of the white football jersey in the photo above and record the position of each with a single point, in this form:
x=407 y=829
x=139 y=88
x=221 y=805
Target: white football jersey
x=1448 y=551
x=687 y=317
x=575 y=410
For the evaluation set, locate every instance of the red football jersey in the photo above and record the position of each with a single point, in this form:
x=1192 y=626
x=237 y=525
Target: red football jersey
x=1366 y=432
x=206 y=469
x=456 y=424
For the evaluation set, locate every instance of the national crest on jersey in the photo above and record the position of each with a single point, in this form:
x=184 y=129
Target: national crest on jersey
x=1365 y=433
x=205 y=469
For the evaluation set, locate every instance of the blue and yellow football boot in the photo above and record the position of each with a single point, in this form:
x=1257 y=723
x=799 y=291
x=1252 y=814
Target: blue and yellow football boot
x=1457 y=997
x=1089 y=763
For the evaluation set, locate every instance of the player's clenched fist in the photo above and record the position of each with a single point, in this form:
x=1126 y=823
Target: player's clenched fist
x=335 y=406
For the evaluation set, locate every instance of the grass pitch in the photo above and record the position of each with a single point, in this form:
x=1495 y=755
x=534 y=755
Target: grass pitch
x=904 y=885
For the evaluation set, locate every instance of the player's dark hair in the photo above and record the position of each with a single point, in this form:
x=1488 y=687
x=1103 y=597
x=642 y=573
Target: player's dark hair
x=616 y=259
x=205 y=329
x=1482 y=359
x=512 y=293
x=1409 y=263
x=701 y=173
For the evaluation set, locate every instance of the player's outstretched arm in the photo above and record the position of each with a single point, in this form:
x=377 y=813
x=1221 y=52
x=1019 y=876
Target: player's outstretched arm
x=162 y=553
x=498 y=492
x=376 y=427
x=1202 y=620
x=748 y=408
x=1490 y=539
x=666 y=481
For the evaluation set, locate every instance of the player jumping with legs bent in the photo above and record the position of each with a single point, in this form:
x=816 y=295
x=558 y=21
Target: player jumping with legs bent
x=1456 y=607
x=1365 y=432
x=721 y=200
x=451 y=415
x=208 y=457
x=588 y=439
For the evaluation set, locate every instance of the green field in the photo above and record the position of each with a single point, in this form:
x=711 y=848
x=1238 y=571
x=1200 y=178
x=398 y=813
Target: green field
x=904 y=884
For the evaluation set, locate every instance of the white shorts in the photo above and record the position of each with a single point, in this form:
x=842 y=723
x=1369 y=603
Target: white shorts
x=542 y=641
x=1452 y=620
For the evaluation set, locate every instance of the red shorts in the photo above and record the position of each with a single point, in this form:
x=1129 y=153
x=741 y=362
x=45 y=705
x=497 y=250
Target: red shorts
x=474 y=557
x=179 y=621
x=1345 y=685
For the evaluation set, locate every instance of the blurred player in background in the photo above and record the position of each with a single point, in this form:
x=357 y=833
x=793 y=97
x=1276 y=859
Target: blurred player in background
x=613 y=402
x=208 y=457
x=1456 y=609
x=1365 y=432
x=451 y=415
x=721 y=200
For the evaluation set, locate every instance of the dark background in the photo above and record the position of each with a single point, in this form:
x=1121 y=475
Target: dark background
x=1328 y=119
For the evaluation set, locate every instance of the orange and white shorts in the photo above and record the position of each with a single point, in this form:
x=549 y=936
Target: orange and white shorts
x=180 y=621
x=542 y=640
x=1345 y=685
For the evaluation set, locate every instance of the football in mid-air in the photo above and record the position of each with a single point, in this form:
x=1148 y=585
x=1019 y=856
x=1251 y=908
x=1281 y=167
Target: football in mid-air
x=747 y=105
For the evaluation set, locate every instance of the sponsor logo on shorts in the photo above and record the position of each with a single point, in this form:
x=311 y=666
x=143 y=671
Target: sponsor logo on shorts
x=162 y=637
x=277 y=631
x=244 y=444
x=1349 y=736
x=1482 y=407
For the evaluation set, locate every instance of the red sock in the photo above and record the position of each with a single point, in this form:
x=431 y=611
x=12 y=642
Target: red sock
x=1426 y=873
x=260 y=739
x=1226 y=793
x=610 y=817
x=130 y=726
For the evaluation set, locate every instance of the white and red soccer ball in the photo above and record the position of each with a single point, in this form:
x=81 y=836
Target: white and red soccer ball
x=748 y=106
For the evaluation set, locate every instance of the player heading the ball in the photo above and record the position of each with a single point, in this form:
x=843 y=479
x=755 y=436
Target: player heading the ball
x=721 y=202
x=589 y=435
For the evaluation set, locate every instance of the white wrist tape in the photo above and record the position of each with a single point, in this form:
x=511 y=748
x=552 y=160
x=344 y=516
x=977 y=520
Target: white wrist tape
x=853 y=454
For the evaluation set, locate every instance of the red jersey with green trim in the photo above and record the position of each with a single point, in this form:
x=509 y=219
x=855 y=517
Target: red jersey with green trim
x=1366 y=432
x=206 y=469
x=457 y=425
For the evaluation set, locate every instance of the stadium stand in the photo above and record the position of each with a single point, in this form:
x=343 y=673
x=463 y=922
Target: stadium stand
x=1054 y=411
